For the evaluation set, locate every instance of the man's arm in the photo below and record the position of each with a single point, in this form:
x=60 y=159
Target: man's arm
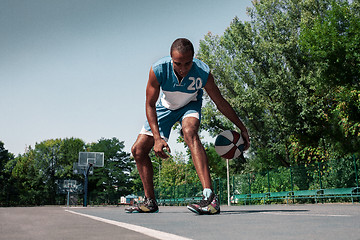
x=152 y=95
x=225 y=108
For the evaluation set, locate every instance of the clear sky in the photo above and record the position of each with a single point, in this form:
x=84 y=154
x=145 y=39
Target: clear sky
x=78 y=68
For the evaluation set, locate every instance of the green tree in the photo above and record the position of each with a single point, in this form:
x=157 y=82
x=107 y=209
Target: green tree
x=69 y=149
x=109 y=183
x=331 y=43
x=48 y=157
x=29 y=181
x=34 y=173
x=5 y=184
x=261 y=69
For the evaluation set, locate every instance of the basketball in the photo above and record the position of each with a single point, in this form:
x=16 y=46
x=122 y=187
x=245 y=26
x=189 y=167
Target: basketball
x=229 y=144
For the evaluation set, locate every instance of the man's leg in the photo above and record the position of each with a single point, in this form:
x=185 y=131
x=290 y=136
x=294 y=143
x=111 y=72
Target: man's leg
x=140 y=151
x=190 y=127
x=210 y=203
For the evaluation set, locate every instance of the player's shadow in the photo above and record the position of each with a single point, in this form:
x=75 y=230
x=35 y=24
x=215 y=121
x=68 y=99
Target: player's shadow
x=229 y=212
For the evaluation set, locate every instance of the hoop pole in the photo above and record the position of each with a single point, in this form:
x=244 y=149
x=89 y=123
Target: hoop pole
x=86 y=174
x=68 y=198
x=85 y=189
x=228 y=181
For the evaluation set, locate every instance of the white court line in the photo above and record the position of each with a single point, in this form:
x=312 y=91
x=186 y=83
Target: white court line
x=305 y=214
x=143 y=230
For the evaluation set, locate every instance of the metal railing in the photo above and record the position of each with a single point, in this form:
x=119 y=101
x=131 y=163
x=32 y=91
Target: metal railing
x=335 y=174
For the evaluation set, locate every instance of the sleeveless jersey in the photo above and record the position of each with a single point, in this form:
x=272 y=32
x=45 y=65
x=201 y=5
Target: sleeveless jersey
x=174 y=94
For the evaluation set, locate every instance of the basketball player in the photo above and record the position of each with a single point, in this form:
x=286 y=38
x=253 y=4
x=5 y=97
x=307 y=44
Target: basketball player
x=182 y=79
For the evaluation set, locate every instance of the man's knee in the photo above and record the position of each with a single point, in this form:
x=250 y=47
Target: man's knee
x=134 y=150
x=190 y=128
x=137 y=151
x=190 y=135
x=141 y=149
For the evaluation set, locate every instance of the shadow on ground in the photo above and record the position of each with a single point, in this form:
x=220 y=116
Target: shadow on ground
x=260 y=211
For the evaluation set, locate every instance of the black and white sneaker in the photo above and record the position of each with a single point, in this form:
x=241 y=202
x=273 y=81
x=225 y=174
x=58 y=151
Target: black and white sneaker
x=209 y=206
x=148 y=206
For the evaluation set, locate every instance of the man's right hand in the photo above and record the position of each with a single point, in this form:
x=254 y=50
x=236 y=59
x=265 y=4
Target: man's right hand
x=159 y=147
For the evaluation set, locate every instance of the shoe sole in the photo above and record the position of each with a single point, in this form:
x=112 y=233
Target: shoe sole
x=141 y=212
x=131 y=211
x=201 y=213
x=193 y=210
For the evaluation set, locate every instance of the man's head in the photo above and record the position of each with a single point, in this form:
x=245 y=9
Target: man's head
x=182 y=53
x=182 y=45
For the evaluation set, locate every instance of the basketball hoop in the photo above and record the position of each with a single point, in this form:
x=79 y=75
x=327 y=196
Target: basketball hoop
x=85 y=165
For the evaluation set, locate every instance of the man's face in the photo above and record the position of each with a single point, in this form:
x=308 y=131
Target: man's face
x=182 y=62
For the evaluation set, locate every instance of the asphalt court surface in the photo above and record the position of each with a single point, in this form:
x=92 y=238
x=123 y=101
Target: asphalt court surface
x=318 y=221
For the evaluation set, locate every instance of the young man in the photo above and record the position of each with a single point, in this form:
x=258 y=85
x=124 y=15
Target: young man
x=181 y=78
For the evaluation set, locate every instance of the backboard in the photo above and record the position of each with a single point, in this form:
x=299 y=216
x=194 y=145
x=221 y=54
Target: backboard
x=72 y=186
x=82 y=169
x=95 y=159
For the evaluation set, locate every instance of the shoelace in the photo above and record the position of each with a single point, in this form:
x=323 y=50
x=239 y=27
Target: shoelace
x=149 y=202
x=204 y=202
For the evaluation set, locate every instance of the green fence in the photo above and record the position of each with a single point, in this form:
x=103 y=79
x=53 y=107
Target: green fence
x=301 y=182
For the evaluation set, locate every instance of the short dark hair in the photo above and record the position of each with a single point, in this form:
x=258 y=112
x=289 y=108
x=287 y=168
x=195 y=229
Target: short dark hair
x=182 y=45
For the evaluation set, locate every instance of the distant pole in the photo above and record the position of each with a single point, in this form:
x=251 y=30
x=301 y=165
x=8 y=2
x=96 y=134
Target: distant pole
x=68 y=198
x=86 y=173
x=228 y=180
x=85 y=189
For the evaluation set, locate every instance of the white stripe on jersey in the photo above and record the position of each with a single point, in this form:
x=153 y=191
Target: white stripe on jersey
x=176 y=100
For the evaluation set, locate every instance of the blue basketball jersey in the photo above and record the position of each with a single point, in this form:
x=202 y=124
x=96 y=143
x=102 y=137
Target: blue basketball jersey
x=174 y=94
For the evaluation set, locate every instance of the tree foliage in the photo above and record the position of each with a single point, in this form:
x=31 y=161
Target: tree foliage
x=331 y=44
x=5 y=184
x=113 y=180
x=31 y=178
x=277 y=83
